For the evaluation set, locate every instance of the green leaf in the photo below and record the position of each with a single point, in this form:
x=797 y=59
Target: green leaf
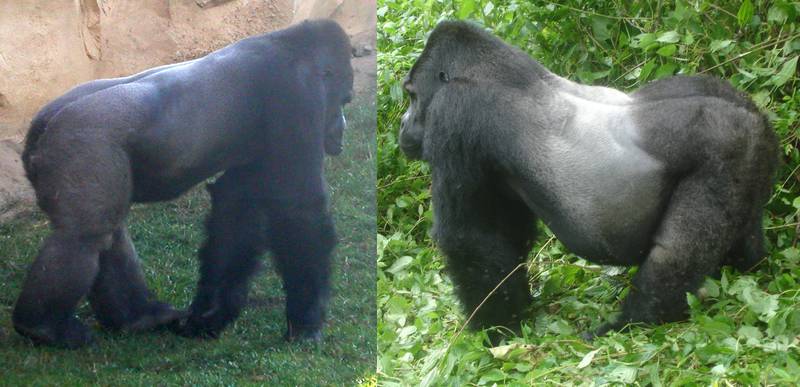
x=487 y=9
x=493 y=375
x=745 y=13
x=719 y=370
x=761 y=98
x=400 y=264
x=711 y=288
x=778 y=13
x=717 y=45
x=402 y=201
x=777 y=325
x=665 y=70
x=646 y=70
x=506 y=352
x=750 y=332
x=669 y=37
x=396 y=92
x=600 y=27
x=792 y=254
x=466 y=9
x=643 y=40
x=587 y=358
x=787 y=71
x=692 y=301
x=623 y=374
x=667 y=50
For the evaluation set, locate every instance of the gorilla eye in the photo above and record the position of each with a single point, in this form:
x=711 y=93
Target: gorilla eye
x=444 y=77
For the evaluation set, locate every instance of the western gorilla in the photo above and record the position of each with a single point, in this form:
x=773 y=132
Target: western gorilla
x=264 y=110
x=671 y=178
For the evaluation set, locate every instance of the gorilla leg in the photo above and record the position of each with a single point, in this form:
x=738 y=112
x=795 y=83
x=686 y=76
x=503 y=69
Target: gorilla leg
x=85 y=195
x=302 y=239
x=229 y=258
x=691 y=243
x=749 y=250
x=483 y=244
x=59 y=277
x=119 y=296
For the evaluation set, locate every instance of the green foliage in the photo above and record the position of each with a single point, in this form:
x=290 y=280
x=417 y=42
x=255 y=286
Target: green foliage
x=744 y=327
x=251 y=351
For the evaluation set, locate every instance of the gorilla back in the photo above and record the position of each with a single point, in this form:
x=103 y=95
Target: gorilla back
x=264 y=110
x=671 y=178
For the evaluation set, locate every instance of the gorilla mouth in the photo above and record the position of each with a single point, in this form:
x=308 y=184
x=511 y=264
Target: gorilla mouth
x=412 y=151
x=333 y=143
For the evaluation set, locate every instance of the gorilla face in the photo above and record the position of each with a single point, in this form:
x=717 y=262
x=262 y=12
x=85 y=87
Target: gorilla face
x=339 y=85
x=334 y=129
x=411 y=130
x=422 y=84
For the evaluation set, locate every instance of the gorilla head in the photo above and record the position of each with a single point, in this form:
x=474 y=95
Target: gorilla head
x=670 y=178
x=338 y=81
x=449 y=60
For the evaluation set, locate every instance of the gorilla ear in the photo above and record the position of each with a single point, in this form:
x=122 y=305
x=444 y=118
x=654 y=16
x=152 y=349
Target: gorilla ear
x=444 y=77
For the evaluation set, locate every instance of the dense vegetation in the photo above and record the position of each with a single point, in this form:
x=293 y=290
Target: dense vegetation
x=251 y=351
x=744 y=330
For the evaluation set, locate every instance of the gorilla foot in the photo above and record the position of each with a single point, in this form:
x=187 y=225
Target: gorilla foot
x=303 y=333
x=204 y=326
x=69 y=334
x=193 y=329
x=157 y=314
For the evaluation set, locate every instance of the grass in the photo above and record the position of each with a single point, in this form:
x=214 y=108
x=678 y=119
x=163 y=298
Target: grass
x=252 y=350
x=744 y=329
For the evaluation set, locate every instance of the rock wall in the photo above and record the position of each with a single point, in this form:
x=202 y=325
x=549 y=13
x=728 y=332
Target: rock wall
x=49 y=46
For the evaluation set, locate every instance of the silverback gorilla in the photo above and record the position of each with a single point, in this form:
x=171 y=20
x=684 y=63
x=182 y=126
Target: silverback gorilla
x=671 y=178
x=264 y=110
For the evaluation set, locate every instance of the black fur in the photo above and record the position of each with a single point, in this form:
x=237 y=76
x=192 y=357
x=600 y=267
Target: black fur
x=671 y=178
x=264 y=110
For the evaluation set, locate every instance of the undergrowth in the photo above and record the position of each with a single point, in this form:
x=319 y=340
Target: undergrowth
x=744 y=328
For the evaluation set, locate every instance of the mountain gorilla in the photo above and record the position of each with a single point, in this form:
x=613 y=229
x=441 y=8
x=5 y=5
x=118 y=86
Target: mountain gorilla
x=671 y=178
x=264 y=110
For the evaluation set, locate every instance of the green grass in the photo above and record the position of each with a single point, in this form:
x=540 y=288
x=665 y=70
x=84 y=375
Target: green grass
x=743 y=331
x=252 y=350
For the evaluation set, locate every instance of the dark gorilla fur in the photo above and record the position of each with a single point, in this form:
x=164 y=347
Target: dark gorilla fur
x=264 y=110
x=671 y=178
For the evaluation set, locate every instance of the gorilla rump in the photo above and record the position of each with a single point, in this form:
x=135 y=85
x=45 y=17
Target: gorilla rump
x=264 y=110
x=671 y=178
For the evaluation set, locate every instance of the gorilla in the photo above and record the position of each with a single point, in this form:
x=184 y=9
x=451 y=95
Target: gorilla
x=264 y=110
x=670 y=178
